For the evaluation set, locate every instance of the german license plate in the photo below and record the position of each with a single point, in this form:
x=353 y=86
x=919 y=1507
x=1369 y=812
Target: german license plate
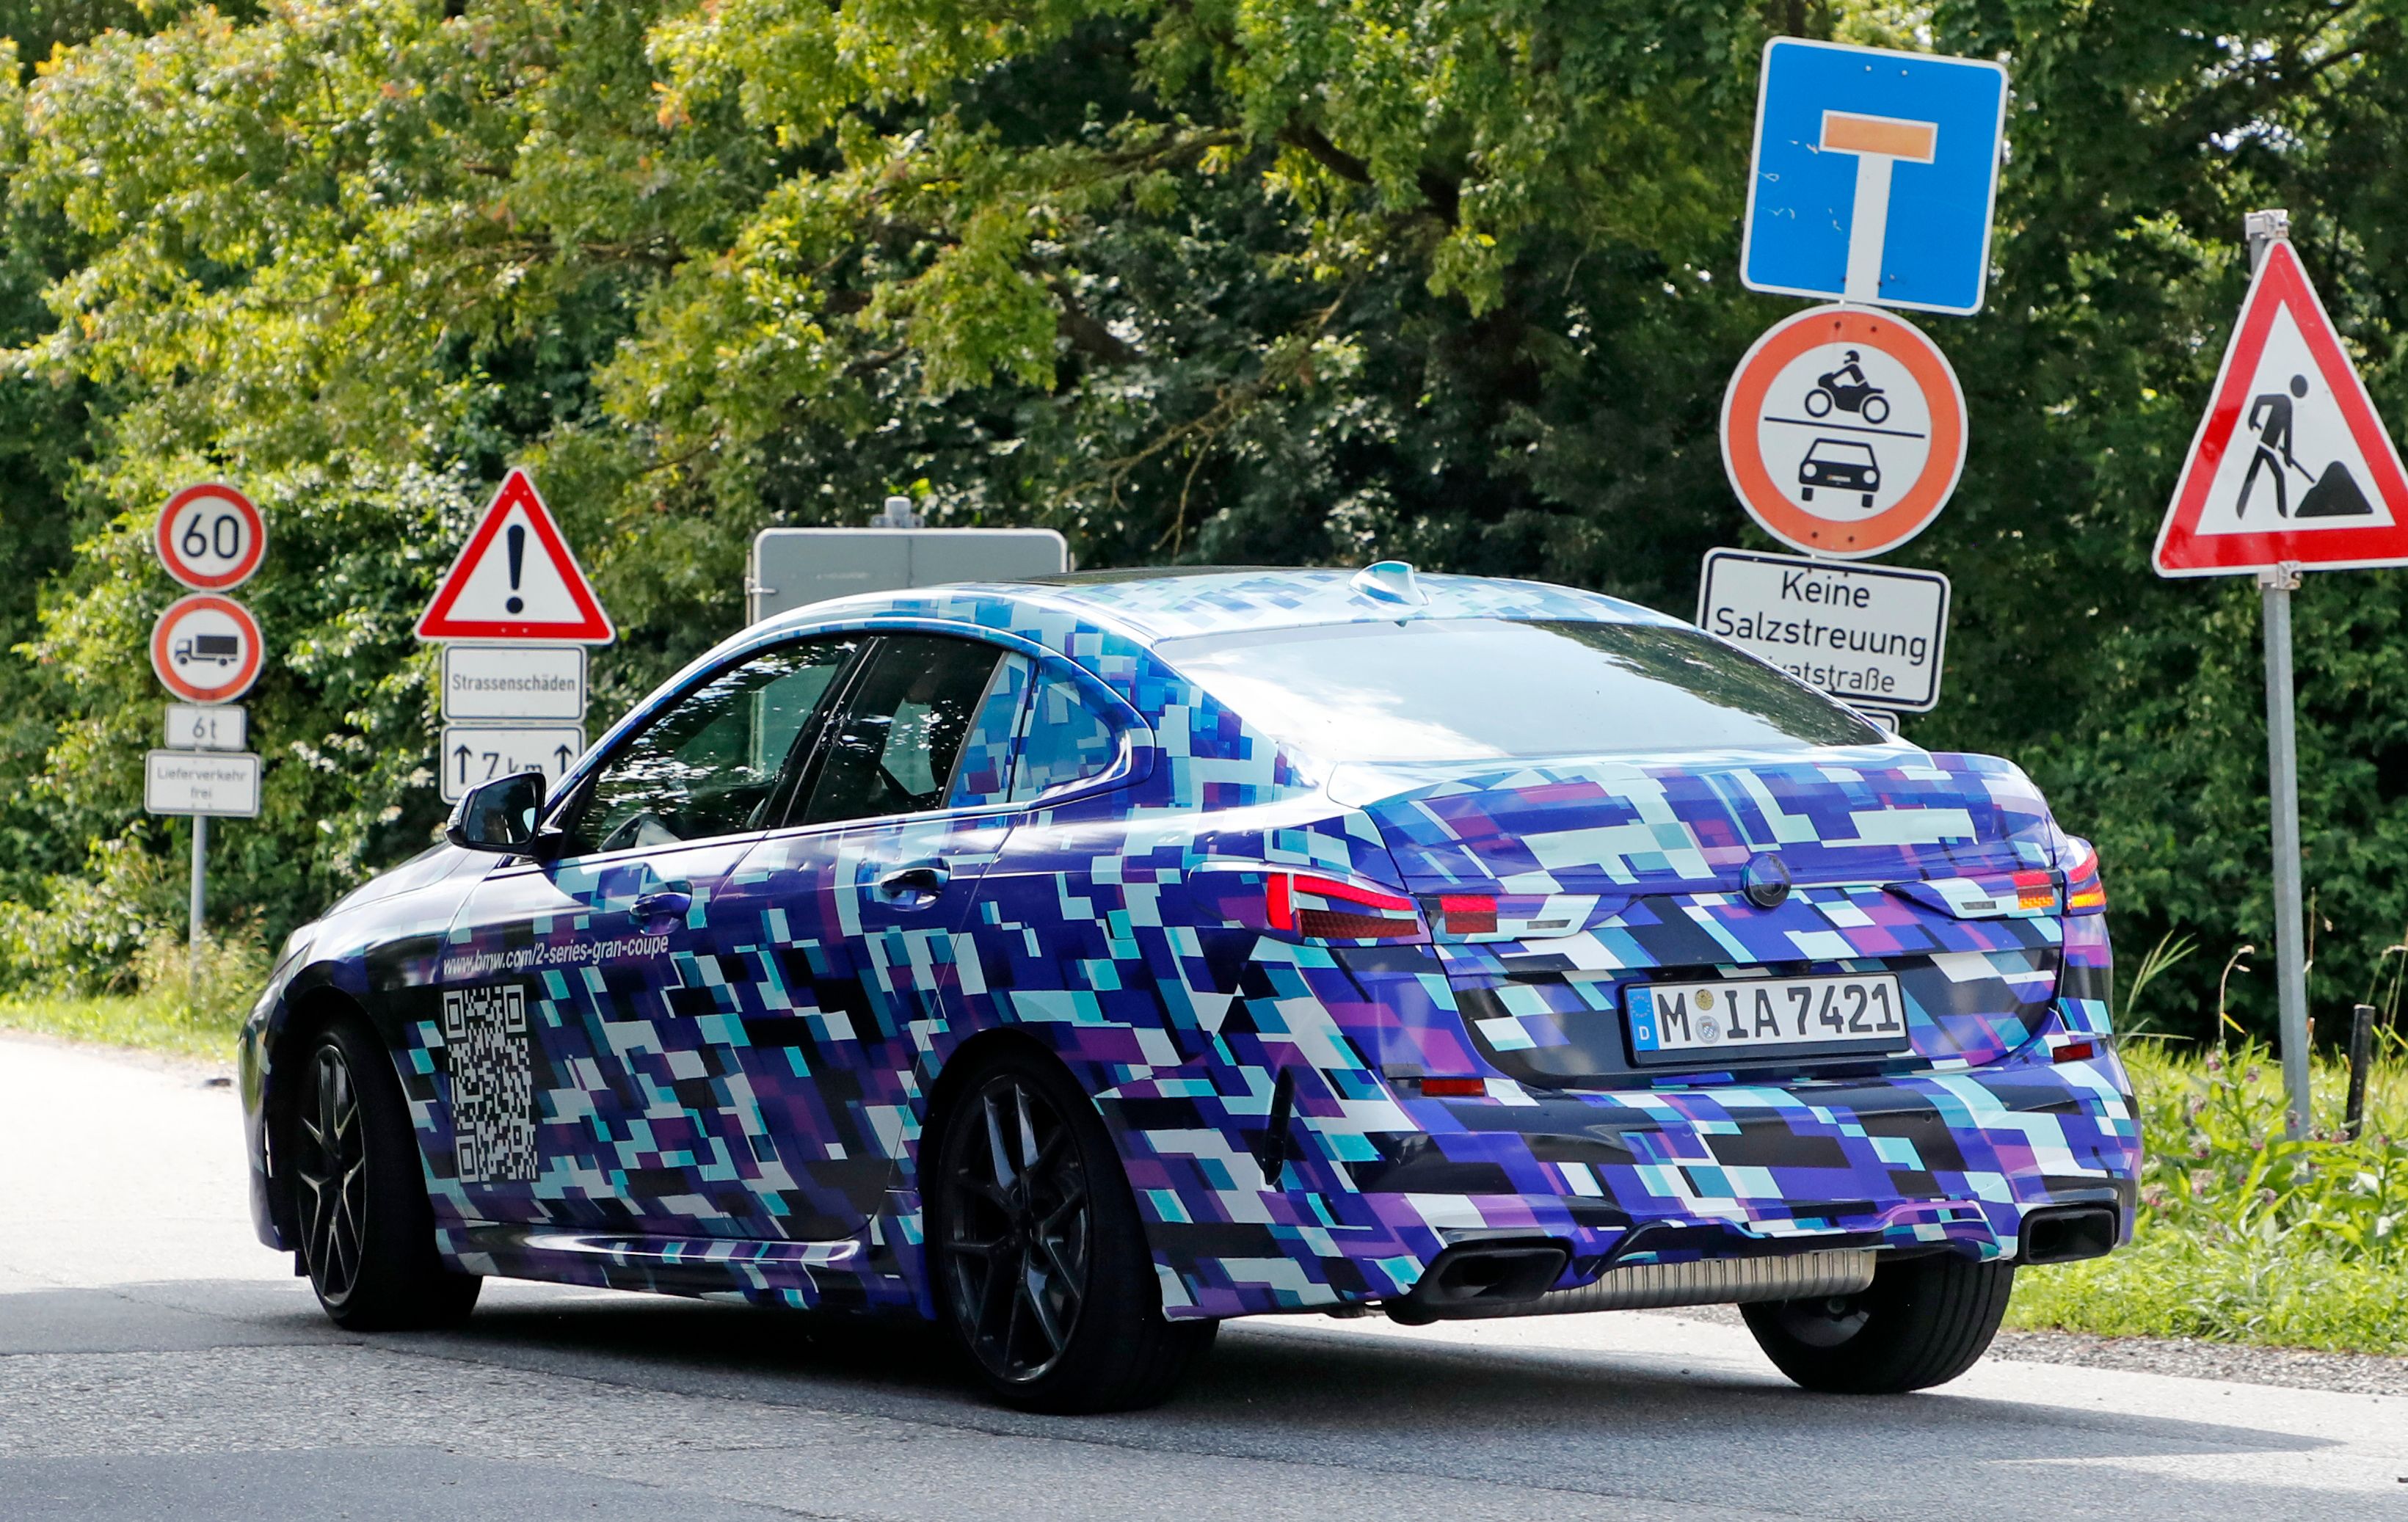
x=1741 y=1017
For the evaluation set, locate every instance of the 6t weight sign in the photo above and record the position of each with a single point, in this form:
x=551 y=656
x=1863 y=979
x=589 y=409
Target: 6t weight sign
x=210 y=536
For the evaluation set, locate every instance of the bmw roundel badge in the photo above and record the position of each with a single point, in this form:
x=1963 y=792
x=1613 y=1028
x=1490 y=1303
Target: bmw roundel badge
x=1765 y=880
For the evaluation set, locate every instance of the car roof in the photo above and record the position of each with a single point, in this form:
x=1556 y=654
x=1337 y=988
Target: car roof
x=1155 y=604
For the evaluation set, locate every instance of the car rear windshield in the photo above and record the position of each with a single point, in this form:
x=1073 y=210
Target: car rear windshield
x=1470 y=689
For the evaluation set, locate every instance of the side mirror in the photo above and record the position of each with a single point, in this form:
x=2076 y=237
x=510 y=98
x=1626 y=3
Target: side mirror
x=500 y=816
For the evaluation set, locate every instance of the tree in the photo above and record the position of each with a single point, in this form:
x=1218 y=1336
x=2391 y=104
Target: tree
x=1256 y=282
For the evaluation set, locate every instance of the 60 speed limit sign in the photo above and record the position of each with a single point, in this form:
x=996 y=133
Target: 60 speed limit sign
x=210 y=538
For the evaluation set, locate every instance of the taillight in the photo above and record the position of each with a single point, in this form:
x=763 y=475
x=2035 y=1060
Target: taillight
x=1468 y=913
x=2085 y=892
x=2035 y=890
x=1325 y=909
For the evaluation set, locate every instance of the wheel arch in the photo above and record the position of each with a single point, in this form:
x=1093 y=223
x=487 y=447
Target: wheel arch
x=963 y=1062
x=966 y=1060
x=307 y=1012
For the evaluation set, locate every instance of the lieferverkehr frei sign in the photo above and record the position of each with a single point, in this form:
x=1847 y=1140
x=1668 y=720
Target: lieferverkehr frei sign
x=1868 y=634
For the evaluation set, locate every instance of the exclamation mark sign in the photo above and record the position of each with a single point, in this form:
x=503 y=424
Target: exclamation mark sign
x=517 y=545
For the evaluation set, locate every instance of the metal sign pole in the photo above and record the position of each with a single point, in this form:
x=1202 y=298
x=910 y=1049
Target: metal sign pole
x=192 y=933
x=2264 y=229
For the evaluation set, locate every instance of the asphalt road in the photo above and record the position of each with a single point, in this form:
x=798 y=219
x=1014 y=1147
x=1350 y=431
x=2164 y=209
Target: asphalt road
x=156 y=1362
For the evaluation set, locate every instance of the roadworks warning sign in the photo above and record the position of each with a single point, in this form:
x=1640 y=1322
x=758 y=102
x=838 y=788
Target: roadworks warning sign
x=2291 y=466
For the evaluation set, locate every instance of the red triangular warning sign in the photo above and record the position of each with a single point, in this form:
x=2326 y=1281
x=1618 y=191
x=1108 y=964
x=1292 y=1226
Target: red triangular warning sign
x=2290 y=465
x=516 y=580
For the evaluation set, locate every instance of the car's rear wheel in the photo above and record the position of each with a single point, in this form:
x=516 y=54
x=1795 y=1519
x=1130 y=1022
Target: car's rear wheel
x=1042 y=1271
x=1921 y=1322
x=367 y=1235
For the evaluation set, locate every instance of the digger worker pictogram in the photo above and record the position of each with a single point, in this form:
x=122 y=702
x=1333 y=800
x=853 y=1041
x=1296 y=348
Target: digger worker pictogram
x=2269 y=418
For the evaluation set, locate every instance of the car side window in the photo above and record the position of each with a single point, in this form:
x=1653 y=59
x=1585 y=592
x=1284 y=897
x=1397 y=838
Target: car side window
x=893 y=747
x=711 y=764
x=1066 y=742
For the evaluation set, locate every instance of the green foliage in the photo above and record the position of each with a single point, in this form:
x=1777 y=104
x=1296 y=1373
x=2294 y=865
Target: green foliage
x=2245 y=1235
x=1258 y=282
x=160 y=1007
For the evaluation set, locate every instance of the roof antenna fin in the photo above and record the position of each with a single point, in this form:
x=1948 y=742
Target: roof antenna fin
x=1390 y=580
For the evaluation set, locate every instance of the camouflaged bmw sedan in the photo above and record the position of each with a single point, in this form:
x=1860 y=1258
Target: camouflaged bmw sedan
x=1079 y=962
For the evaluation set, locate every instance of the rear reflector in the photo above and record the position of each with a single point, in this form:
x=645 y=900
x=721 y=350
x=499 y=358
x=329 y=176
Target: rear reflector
x=1454 y=1088
x=2075 y=1052
x=1325 y=909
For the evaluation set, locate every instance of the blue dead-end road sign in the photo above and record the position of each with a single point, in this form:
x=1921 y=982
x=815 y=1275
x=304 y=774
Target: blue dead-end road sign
x=1874 y=176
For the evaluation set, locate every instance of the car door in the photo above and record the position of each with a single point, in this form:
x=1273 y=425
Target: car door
x=849 y=913
x=593 y=1081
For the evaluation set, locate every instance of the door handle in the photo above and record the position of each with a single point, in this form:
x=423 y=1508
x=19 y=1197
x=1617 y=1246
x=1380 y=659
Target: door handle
x=662 y=902
x=914 y=885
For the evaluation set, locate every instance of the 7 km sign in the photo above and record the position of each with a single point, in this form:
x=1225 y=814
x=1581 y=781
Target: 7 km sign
x=474 y=755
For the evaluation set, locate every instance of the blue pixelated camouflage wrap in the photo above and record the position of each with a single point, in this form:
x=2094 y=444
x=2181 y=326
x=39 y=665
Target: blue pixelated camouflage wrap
x=731 y=1098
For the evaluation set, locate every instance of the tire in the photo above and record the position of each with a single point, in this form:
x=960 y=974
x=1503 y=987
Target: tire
x=1806 y=493
x=368 y=1234
x=1921 y=1323
x=1818 y=403
x=1042 y=1272
x=1876 y=410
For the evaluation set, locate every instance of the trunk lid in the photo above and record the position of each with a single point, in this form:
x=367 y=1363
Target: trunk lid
x=1555 y=887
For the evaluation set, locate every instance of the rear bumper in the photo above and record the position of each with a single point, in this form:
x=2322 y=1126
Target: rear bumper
x=1957 y=1161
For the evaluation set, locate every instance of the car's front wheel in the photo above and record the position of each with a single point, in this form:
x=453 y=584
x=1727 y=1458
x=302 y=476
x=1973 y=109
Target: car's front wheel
x=1042 y=1271
x=368 y=1236
x=1921 y=1322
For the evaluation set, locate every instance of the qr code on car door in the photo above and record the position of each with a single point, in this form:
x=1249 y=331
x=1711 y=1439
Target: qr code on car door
x=492 y=1084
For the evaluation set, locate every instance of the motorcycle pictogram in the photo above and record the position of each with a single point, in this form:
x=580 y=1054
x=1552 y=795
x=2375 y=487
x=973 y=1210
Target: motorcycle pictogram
x=1847 y=389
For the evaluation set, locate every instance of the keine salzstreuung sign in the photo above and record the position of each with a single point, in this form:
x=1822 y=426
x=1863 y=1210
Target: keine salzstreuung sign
x=1868 y=635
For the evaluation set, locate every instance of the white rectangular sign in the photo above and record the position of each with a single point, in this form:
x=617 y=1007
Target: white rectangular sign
x=475 y=753
x=205 y=727
x=1868 y=635
x=200 y=782
x=513 y=683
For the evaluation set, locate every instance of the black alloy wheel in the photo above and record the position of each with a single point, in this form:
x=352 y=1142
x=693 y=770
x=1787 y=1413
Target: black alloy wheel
x=1018 y=1231
x=359 y=1197
x=1042 y=1271
x=331 y=1166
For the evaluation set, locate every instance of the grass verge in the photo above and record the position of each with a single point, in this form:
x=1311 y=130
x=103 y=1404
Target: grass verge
x=163 y=1014
x=2244 y=1235
x=152 y=1022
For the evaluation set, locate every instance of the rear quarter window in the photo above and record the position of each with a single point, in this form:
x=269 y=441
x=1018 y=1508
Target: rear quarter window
x=1065 y=742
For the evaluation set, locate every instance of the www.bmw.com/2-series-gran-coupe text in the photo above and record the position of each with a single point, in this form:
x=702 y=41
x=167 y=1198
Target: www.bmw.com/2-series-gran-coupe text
x=1081 y=962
